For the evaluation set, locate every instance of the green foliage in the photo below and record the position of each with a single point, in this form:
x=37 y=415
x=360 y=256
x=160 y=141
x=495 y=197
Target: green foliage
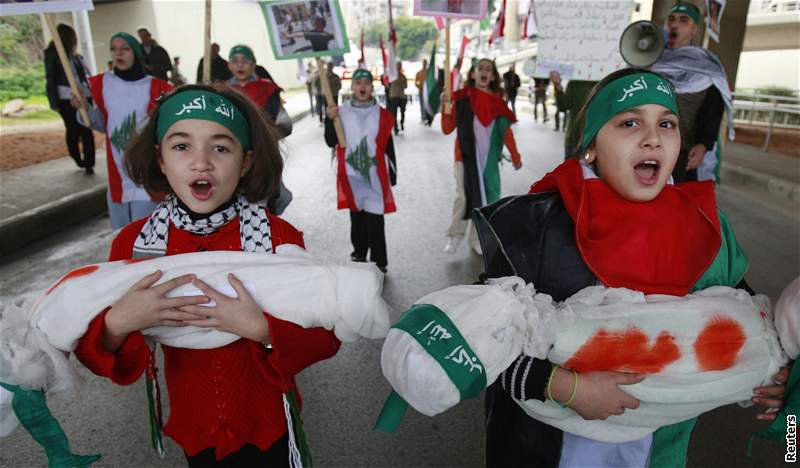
x=21 y=41
x=20 y=84
x=776 y=91
x=412 y=35
x=21 y=66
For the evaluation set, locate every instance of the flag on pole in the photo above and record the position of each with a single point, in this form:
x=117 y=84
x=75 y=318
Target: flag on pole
x=531 y=27
x=498 y=31
x=455 y=73
x=391 y=65
x=384 y=76
x=430 y=89
x=362 y=63
x=439 y=22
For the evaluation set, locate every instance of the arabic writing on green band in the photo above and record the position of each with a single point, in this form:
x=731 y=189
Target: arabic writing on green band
x=625 y=93
x=204 y=105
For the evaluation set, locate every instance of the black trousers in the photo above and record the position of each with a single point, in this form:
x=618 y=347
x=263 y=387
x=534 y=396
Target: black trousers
x=512 y=99
x=514 y=439
x=396 y=103
x=248 y=456
x=367 y=236
x=322 y=105
x=76 y=135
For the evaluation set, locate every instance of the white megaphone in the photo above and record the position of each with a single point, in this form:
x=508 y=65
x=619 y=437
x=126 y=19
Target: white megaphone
x=641 y=44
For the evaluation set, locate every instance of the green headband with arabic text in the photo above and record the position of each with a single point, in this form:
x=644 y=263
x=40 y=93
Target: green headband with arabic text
x=687 y=9
x=625 y=93
x=203 y=105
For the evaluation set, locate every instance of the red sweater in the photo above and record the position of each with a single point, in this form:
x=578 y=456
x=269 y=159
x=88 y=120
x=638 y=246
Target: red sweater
x=224 y=397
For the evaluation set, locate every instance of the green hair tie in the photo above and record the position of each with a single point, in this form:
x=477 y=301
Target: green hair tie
x=625 y=93
x=203 y=105
x=135 y=45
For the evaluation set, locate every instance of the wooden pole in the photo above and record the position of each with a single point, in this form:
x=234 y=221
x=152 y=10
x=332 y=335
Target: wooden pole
x=207 y=44
x=326 y=89
x=65 y=64
x=447 y=64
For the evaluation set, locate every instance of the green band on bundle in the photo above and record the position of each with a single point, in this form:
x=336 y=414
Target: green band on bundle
x=135 y=45
x=622 y=94
x=362 y=73
x=688 y=9
x=204 y=105
x=242 y=50
x=437 y=334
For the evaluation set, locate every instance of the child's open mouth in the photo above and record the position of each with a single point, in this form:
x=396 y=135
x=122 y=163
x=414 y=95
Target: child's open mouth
x=202 y=190
x=647 y=171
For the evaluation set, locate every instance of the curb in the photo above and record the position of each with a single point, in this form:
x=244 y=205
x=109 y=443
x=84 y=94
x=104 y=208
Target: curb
x=50 y=218
x=742 y=175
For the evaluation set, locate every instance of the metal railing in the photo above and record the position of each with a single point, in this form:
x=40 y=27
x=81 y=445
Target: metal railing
x=767 y=110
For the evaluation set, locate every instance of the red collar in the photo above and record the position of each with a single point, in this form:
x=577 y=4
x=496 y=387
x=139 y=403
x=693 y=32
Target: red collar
x=658 y=247
x=485 y=106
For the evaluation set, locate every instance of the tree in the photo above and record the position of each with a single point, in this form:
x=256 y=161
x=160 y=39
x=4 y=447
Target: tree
x=412 y=35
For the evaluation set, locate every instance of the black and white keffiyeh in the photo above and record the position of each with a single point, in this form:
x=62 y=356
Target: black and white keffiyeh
x=254 y=228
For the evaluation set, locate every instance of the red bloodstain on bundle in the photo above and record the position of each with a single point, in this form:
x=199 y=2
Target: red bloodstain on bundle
x=718 y=345
x=77 y=273
x=627 y=351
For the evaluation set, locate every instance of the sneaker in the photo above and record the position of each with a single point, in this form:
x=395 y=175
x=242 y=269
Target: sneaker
x=357 y=258
x=89 y=171
x=383 y=269
x=452 y=244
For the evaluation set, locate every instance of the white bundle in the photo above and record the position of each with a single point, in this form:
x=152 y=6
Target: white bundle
x=721 y=341
x=291 y=285
x=787 y=318
x=491 y=318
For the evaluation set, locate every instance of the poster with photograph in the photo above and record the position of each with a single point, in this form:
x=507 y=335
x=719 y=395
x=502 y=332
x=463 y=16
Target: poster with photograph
x=462 y=9
x=26 y=7
x=580 y=38
x=305 y=28
x=714 y=10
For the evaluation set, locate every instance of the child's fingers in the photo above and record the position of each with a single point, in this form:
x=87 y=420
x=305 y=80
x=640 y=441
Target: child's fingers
x=209 y=291
x=178 y=302
x=148 y=280
x=770 y=390
x=623 y=378
x=179 y=315
x=200 y=311
x=238 y=286
x=630 y=402
x=769 y=402
x=204 y=323
x=167 y=286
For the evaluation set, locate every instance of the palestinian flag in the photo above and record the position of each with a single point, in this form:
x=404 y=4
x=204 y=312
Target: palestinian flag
x=430 y=89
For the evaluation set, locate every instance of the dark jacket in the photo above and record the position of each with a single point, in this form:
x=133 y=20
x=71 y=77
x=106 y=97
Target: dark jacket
x=157 y=62
x=55 y=76
x=219 y=70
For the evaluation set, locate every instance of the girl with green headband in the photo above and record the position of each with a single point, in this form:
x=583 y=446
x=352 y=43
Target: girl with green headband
x=123 y=98
x=217 y=160
x=612 y=218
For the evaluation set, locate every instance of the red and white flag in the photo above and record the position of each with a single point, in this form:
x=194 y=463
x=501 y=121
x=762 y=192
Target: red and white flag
x=530 y=28
x=391 y=65
x=385 y=78
x=455 y=74
x=362 y=63
x=498 y=30
x=439 y=22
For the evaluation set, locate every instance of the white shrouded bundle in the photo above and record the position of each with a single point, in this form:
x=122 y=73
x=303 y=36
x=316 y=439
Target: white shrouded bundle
x=291 y=285
x=700 y=351
x=787 y=319
x=490 y=318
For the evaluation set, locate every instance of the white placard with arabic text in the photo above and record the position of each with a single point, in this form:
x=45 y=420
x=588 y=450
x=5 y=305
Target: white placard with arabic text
x=581 y=35
x=11 y=7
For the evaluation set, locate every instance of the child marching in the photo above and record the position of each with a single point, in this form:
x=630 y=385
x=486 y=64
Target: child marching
x=213 y=154
x=366 y=168
x=123 y=101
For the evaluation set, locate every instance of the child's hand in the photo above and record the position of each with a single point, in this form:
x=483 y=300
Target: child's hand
x=333 y=112
x=771 y=396
x=599 y=395
x=695 y=156
x=239 y=315
x=145 y=305
x=517 y=165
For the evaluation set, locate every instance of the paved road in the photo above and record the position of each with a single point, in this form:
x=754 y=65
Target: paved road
x=343 y=395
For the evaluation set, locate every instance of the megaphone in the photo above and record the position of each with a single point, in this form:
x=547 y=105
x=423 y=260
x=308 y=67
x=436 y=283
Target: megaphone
x=641 y=44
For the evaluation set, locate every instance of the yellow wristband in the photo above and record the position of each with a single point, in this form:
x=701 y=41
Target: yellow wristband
x=574 y=391
x=550 y=381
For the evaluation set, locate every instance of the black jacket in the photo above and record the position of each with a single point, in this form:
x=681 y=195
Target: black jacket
x=55 y=76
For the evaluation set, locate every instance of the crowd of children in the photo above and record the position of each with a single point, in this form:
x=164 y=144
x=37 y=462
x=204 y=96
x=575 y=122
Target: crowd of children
x=209 y=178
